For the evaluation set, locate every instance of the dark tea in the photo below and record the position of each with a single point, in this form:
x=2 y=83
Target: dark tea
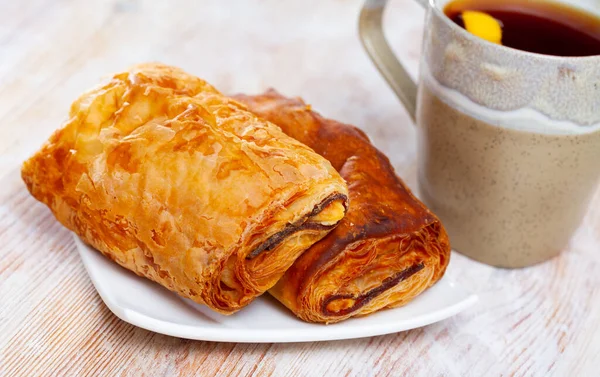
x=543 y=27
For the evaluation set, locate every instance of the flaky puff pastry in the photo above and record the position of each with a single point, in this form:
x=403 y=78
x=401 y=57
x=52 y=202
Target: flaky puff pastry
x=182 y=185
x=387 y=250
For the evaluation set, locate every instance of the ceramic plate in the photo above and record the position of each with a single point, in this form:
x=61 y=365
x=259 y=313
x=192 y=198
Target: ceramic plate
x=148 y=305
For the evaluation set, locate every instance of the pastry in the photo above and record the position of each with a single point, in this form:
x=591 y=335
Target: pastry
x=176 y=182
x=387 y=250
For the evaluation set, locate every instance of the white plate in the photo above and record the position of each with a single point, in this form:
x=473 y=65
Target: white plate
x=148 y=305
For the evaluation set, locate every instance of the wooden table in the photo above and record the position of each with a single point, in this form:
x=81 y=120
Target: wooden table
x=540 y=321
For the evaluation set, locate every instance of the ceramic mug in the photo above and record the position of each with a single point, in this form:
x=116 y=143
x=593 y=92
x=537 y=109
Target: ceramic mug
x=508 y=141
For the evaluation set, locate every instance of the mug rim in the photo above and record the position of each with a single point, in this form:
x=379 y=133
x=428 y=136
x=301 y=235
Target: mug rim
x=472 y=38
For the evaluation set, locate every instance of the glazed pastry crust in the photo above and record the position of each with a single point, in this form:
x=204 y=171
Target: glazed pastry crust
x=387 y=250
x=174 y=181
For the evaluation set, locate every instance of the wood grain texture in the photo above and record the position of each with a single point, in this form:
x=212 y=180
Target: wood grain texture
x=539 y=321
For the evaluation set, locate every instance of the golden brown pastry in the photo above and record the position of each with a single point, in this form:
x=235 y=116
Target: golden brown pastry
x=172 y=180
x=388 y=249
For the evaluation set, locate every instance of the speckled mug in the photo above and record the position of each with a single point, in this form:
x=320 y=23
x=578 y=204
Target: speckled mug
x=509 y=141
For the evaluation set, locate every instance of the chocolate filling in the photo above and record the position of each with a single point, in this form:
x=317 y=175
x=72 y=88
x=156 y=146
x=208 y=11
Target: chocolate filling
x=364 y=299
x=278 y=237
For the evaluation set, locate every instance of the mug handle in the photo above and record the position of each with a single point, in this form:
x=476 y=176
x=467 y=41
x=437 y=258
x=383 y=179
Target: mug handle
x=370 y=30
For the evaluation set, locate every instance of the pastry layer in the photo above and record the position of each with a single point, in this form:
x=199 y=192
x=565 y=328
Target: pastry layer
x=169 y=178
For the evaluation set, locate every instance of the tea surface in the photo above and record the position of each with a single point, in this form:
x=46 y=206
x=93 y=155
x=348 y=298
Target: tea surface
x=537 y=26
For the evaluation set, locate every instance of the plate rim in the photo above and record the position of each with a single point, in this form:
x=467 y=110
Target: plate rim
x=285 y=335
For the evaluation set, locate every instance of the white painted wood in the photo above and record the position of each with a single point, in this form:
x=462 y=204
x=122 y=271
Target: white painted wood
x=540 y=321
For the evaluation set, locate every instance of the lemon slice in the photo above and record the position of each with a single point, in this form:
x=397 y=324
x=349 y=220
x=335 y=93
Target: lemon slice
x=483 y=25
